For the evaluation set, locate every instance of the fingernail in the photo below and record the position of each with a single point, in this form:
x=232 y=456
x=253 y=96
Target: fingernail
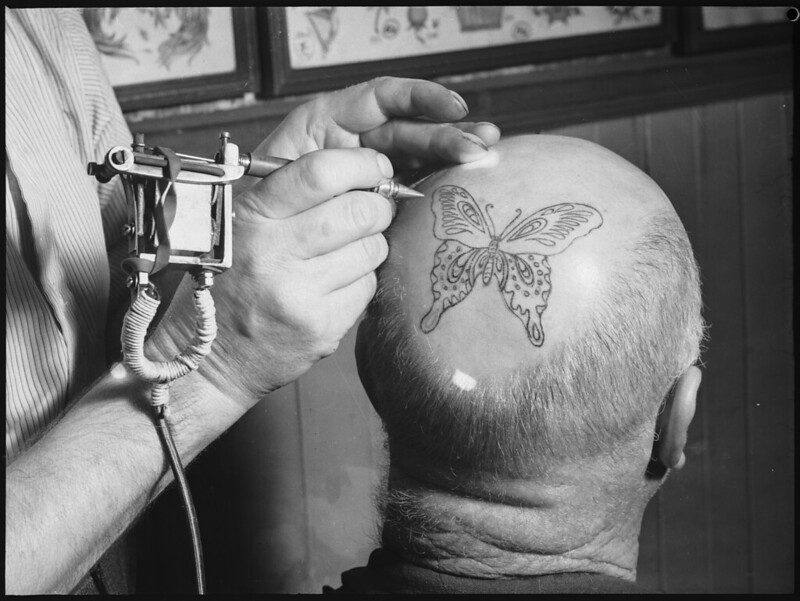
x=490 y=124
x=473 y=139
x=385 y=165
x=460 y=101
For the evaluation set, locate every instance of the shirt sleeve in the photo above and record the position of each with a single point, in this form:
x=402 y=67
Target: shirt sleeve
x=108 y=127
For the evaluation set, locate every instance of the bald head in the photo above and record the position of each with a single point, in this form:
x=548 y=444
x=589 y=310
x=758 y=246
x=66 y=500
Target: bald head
x=536 y=304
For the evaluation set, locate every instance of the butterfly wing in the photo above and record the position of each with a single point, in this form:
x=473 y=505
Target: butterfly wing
x=525 y=290
x=523 y=271
x=458 y=221
x=551 y=230
x=525 y=245
x=458 y=217
x=456 y=266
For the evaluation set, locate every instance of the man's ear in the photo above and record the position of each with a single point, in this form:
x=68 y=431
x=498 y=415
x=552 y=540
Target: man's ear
x=674 y=420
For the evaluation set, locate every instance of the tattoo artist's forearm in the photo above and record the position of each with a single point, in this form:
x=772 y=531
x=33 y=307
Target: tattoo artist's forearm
x=78 y=488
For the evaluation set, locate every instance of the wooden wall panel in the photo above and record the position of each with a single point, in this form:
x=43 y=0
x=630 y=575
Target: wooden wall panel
x=343 y=455
x=719 y=251
x=271 y=536
x=623 y=136
x=586 y=131
x=766 y=235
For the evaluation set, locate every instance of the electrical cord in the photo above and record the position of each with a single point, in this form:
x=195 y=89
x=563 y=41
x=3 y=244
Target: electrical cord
x=134 y=330
x=164 y=431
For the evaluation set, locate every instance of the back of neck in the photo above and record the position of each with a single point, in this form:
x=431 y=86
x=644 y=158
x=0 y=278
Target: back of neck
x=491 y=528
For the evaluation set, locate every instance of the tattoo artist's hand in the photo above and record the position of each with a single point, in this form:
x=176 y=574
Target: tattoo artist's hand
x=306 y=244
x=409 y=120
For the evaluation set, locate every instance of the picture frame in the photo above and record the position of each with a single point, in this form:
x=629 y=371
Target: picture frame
x=160 y=57
x=714 y=28
x=528 y=41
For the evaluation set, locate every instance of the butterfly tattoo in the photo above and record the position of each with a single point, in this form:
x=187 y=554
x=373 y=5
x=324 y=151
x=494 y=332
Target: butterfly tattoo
x=517 y=257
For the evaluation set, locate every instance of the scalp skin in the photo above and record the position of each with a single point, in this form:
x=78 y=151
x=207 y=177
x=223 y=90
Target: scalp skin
x=480 y=337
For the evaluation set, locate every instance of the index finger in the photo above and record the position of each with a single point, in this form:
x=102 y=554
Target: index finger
x=311 y=180
x=368 y=105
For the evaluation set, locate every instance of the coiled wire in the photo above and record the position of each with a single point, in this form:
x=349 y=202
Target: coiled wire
x=161 y=373
x=134 y=330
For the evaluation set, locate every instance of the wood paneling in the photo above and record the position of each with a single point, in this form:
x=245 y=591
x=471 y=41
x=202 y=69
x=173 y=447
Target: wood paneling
x=719 y=252
x=343 y=452
x=766 y=235
x=302 y=465
x=271 y=537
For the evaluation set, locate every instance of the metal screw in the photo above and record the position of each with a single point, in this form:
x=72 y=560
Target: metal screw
x=127 y=229
x=204 y=279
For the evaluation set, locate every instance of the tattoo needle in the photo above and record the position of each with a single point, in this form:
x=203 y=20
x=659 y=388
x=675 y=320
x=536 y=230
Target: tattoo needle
x=263 y=166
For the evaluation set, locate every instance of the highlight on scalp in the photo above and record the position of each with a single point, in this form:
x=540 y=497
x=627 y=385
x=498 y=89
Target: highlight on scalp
x=581 y=400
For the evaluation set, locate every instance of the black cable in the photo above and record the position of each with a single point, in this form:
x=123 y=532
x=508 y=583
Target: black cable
x=180 y=477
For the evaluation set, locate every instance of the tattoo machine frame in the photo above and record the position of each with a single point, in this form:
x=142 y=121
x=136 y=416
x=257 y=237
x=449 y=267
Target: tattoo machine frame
x=180 y=216
x=179 y=206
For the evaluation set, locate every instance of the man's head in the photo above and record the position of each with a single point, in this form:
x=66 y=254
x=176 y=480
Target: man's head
x=536 y=309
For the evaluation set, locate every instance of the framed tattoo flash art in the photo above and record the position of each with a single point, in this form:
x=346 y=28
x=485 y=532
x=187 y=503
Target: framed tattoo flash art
x=712 y=28
x=316 y=48
x=157 y=57
x=475 y=250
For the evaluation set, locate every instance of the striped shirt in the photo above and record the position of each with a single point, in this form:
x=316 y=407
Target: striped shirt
x=61 y=114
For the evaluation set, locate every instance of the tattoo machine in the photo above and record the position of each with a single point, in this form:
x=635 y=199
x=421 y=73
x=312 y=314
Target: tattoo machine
x=179 y=215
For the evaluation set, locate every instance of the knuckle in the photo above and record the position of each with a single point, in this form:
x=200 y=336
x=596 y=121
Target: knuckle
x=376 y=249
x=318 y=327
x=370 y=285
x=316 y=174
x=284 y=303
x=388 y=210
x=326 y=351
x=362 y=211
x=330 y=331
x=361 y=291
x=376 y=82
x=299 y=235
x=307 y=323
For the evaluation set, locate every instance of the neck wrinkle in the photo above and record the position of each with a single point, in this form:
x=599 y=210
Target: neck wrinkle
x=489 y=532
